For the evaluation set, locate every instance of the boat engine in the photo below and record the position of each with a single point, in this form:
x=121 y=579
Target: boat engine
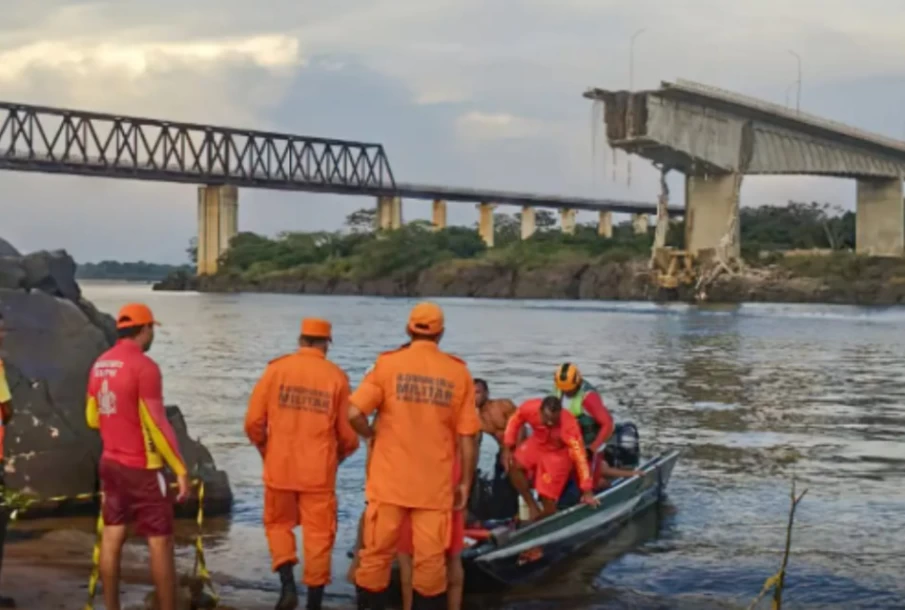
x=624 y=448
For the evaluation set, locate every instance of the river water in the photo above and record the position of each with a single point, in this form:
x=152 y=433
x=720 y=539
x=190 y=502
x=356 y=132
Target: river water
x=753 y=395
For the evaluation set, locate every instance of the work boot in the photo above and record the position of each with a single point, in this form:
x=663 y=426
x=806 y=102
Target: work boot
x=434 y=602
x=315 y=598
x=370 y=600
x=289 y=595
x=7 y=602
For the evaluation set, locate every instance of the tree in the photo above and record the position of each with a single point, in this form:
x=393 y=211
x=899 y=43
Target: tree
x=544 y=220
x=362 y=221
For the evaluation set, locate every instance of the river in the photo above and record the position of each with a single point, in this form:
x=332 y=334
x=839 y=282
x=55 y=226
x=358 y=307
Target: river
x=753 y=395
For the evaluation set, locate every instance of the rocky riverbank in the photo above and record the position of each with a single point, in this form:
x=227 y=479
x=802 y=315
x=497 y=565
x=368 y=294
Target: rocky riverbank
x=845 y=279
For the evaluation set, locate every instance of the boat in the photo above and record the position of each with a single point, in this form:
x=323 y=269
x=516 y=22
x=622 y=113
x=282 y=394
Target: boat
x=507 y=555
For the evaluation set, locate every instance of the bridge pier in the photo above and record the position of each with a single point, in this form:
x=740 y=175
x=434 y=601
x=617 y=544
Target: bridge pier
x=485 y=223
x=710 y=205
x=880 y=217
x=389 y=213
x=218 y=223
x=529 y=222
x=439 y=215
x=567 y=221
x=605 y=224
x=640 y=223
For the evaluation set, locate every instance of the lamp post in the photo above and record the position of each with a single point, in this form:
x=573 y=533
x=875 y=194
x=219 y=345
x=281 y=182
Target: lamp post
x=631 y=59
x=798 y=94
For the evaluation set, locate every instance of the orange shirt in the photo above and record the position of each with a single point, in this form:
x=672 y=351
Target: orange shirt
x=298 y=414
x=424 y=399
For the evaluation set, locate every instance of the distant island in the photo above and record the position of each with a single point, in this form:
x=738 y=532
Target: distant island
x=140 y=271
x=795 y=253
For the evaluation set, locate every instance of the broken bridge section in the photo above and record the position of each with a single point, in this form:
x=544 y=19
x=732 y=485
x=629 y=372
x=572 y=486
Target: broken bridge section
x=716 y=137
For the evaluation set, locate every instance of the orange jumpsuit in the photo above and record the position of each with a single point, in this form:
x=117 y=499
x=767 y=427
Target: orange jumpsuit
x=297 y=417
x=425 y=399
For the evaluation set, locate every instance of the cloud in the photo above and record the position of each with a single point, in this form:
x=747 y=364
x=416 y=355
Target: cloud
x=460 y=92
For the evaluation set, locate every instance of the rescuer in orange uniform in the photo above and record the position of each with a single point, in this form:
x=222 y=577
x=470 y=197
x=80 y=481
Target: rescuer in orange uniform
x=426 y=406
x=298 y=419
x=6 y=413
x=125 y=402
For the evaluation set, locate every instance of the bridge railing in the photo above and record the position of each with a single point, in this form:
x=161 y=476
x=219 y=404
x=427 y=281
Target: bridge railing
x=34 y=138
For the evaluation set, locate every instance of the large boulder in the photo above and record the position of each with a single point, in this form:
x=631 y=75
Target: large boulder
x=54 y=337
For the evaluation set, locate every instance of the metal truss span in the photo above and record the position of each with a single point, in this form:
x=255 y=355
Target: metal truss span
x=52 y=140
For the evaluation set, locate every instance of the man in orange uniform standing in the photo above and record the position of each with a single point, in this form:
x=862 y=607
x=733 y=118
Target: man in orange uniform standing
x=547 y=456
x=298 y=419
x=125 y=401
x=426 y=406
x=6 y=413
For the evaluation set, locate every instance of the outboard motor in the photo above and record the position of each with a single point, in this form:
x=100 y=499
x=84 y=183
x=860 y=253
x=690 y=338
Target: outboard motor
x=624 y=448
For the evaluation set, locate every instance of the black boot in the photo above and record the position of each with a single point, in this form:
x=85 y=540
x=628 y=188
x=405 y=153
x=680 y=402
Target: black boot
x=422 y=602
x=289 y=595
x=370 y=600
x=315 y=598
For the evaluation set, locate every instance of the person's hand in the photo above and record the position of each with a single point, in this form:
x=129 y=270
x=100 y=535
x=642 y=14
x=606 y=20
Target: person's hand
x=589 y=499
x=184 y=485
x=461 y=498
x=637 y=473
x=506 y=459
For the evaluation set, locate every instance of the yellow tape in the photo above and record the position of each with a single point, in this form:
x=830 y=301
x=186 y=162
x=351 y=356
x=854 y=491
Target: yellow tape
x=95 y=560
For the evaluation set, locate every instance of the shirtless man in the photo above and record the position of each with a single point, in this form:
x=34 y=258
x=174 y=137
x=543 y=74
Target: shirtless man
x=495 y=415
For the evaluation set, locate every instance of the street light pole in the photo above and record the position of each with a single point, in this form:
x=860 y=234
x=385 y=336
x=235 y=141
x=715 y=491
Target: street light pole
x=631 y=59
x=798 y=94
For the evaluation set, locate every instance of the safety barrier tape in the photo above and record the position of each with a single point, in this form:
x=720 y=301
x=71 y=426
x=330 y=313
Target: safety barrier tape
x=200 y=570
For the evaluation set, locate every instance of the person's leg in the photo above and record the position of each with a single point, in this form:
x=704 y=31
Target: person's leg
x=405 y=579
x=317 y=513
x=525 y=461
x=5 y=602
x=353 y=565
x=163 y=570
x=379 y=541
x=553 y=471
x=281 y=517
x=430 y=538
x=115 y=484
x=455 y=575
x=152 y=508
x=111 y=551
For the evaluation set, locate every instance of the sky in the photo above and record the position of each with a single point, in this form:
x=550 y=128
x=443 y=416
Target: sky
x=475 y=93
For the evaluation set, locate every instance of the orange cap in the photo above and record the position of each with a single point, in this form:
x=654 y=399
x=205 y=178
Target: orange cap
x=426 y=319
x=135 y=314
x=317 y=328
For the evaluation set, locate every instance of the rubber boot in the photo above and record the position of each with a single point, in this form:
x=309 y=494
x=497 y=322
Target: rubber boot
x=289 y=595
x=370 y=600
x=422 y=602
x=315 y=598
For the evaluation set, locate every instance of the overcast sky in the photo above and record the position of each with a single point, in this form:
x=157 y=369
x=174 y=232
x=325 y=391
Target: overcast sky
x=481 y=93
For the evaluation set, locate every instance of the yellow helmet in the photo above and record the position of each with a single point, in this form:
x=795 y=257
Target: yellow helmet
x=567 y=377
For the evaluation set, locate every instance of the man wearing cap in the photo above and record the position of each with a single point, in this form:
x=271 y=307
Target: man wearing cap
x=6 y=413
x=125 y=402
x=297 y=419
x=425 y=403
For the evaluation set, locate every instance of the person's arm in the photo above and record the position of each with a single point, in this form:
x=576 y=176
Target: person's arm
x=509 y=409
x=613 y=473
x=468 y=425
x=6 y=397
x=153 y=416
x=256 y=415
x=571 y=434
x=366 y=400
x=347 y=439
x=594 y=407
x=514 y=429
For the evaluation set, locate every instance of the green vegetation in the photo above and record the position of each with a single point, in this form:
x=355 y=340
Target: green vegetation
x=360 y=253
x=115 y=270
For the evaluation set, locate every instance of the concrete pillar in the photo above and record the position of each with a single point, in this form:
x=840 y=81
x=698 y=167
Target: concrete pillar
x=485 y=223
x=218 y=223
x=710 y=205
x=396 y=213
x=529 y=226
x=567 y=221
x=439 y=215
x=384 y=217
x=880 y=217
x=640 y=222
x=605 y=224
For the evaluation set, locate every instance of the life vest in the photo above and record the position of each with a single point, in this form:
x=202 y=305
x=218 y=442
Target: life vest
x=589 y=426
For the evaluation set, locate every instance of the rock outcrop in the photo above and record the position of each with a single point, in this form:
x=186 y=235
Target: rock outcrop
x=54 y=336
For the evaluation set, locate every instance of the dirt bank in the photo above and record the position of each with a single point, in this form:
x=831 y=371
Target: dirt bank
x=854 y=281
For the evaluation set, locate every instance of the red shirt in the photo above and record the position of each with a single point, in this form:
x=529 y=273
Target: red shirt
x=125 y=401
x=593 y=406
x=564 y=436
